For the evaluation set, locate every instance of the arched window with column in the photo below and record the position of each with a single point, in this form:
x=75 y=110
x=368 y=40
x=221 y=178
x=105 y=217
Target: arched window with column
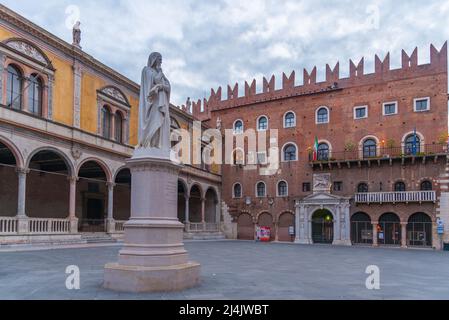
x=400 y=186
x=237 y=191
x=282 y=189
x=118 y=127
x=369 y=148
x=290 y=120
x=412 y=144
x=290 y=152
x=362 y=188
x=14 y=86
x=323 y=152
x=106 y=122
x=426 y=185
x=261 y=190
x=238 y=127
x=35 y=95
x=262 y=123
x=322 y=115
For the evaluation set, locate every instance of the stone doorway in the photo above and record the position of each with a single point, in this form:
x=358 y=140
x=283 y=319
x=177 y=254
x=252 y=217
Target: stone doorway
x=323 y=227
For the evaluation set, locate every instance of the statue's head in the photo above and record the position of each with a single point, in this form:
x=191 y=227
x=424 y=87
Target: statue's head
x=155 y=60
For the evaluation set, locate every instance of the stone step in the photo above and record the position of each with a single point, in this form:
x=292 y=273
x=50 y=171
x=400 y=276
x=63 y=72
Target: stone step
x=205 y=236
x=98 y=238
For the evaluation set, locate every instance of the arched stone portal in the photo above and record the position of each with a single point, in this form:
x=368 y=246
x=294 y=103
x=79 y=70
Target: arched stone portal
x=323 y=227
x=311 y=214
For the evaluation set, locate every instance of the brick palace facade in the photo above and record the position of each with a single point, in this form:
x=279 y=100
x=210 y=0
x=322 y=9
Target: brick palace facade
x=363 y=159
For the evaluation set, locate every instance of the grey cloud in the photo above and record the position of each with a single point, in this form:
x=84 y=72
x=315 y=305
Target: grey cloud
x=211 y=43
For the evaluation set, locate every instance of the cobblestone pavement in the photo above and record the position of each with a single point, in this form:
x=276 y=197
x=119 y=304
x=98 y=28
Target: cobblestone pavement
x=241 y=270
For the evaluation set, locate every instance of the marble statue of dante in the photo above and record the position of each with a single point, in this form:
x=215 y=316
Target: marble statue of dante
x=154 y=117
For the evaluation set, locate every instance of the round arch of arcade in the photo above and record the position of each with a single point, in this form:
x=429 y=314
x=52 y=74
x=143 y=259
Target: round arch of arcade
x=14 y=150
x=280 y=225
x=53 y=193
x=198 y=206
x=394 y=228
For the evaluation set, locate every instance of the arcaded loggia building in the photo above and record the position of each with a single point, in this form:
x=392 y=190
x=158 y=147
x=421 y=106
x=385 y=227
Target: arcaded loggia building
x=363 y=159
x=67 y=125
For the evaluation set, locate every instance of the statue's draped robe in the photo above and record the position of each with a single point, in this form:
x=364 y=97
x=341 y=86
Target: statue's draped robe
x=154 y=119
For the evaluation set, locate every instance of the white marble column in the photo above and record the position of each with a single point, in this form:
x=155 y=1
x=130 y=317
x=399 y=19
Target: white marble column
x=337 y=226
x=72 y=205
x=307 y=226
x=347 y=213
x=21 y=200
x=302 y=225
x=187 y=210
x=110 y=219
x=203 y=212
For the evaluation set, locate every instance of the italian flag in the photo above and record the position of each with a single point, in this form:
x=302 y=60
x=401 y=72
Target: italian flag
x=315 y=150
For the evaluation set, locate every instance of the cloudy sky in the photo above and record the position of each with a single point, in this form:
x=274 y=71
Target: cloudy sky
x=212 y=43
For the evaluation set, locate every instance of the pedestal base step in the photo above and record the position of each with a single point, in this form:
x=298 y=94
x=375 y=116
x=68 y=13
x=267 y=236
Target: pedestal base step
x=136 y=279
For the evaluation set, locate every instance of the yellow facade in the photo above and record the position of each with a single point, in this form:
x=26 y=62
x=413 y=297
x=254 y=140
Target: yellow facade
x=134 y=116
x=62 y=90
x=63 y=93
x=89 y=86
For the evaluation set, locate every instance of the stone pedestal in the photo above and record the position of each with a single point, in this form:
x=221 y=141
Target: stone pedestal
x=153 y=258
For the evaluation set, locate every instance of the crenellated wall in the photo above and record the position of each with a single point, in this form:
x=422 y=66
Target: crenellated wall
x=383 y=73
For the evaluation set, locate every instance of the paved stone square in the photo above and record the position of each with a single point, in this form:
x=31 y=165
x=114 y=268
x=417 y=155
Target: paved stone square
x=241 y=270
